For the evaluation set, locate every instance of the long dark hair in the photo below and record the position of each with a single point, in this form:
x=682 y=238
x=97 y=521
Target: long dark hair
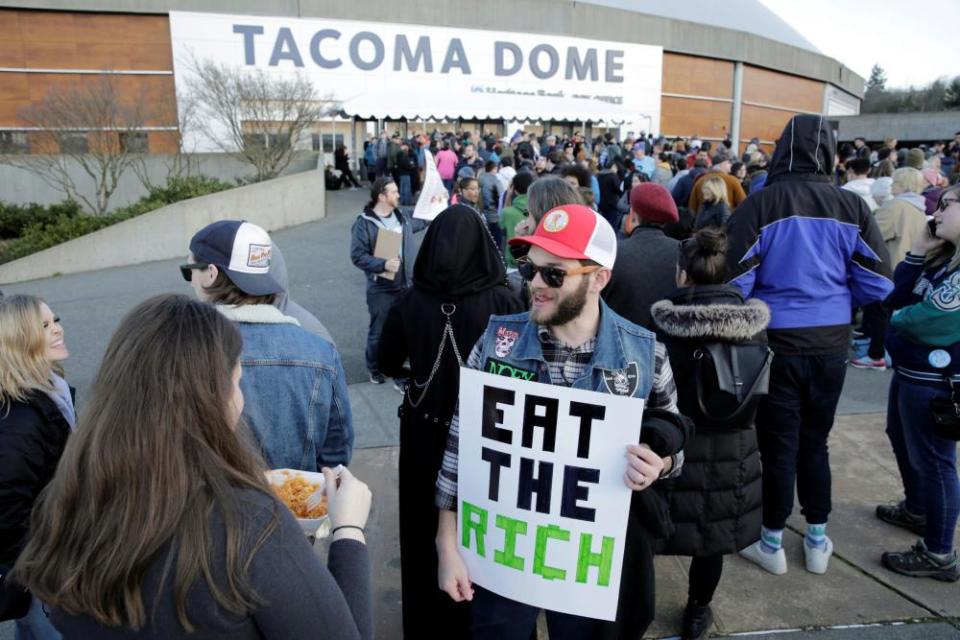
x=152 y=457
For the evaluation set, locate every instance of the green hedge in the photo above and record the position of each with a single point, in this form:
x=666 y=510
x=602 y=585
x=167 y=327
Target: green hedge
x=34 y=228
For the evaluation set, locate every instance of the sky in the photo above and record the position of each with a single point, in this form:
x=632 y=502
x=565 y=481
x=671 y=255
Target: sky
x=914 y=43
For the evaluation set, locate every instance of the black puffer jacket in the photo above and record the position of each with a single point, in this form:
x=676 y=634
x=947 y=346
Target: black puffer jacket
x=33 y=435
x=715 y=504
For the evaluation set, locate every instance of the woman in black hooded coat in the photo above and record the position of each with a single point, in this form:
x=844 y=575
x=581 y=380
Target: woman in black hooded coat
x=459 y=282
x=715 y=504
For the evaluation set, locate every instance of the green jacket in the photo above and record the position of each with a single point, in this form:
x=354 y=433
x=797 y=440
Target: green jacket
x=510 y=217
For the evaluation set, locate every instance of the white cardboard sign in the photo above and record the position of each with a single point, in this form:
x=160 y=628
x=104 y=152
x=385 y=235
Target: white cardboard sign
x=542 y=505
x=433 y=196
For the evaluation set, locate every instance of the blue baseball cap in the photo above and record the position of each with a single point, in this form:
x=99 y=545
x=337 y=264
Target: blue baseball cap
x=240 y=249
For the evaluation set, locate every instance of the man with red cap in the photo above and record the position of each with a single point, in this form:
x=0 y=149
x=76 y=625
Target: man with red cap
x=646 y=268
x=571 y=338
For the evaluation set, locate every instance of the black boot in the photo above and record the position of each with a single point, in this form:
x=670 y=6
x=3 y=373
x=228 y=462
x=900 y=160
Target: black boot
x=697 y=620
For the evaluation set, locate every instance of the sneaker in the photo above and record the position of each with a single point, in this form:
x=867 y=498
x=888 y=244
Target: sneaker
x=866 y=362
x=918 y=563
x=697 y=621
x=897 y=515
x=377 y=378
x=775 y=563
x=817 y=558
x=400 y=385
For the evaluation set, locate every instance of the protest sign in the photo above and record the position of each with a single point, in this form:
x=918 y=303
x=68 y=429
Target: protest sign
x=542 y=505
x=388 y=247
x=433 y=196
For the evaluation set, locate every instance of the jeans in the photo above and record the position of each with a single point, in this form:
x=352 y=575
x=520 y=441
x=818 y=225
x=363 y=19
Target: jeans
x=449 y=186
x=793 y=423
x=36 y=624
x=378 y=304
x=928 y=464
x=498 y=618
x=406 y=192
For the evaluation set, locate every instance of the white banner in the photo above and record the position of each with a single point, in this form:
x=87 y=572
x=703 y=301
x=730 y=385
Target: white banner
x=433 y=196
x=542 y=504
x=385 y=70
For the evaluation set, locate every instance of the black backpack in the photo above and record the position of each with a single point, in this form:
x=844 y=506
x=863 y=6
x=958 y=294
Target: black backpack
x=730 y=379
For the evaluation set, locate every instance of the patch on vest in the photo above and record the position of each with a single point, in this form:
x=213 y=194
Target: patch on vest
x=505 y=341
x=622 y=382
x=500 y=368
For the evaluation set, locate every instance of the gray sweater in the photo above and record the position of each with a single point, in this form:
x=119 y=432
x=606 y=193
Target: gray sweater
x=303 y=598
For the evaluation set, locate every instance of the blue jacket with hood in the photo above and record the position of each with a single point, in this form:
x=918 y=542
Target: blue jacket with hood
x=808 y=249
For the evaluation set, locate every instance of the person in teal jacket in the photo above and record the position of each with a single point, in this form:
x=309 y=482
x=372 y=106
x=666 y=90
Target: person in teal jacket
x=924 y=343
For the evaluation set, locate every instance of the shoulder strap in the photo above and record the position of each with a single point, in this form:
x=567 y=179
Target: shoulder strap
x=759 y=379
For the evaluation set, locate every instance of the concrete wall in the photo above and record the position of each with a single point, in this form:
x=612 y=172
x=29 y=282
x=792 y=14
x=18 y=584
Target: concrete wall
x=525 y=16
x=165 y=233
x=21 y=187
x=914 y=127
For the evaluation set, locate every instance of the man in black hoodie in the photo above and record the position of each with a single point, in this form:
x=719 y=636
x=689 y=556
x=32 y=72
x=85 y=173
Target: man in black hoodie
x=812 y=252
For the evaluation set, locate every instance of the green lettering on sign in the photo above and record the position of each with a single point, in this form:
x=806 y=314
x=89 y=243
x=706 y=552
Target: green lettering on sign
x=587 y=558
x=511 y=529
x=540 y=565
x=474 y=519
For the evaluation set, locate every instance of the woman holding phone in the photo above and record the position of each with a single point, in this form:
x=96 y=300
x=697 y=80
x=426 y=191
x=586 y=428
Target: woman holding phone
x=159 y=522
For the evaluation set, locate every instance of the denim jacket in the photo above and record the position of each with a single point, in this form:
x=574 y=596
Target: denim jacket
x=623 y=351
x=295 y=391
x=363 y=240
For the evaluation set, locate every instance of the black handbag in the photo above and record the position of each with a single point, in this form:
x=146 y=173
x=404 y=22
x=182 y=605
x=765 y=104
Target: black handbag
x=946 y=415
x=14 y=599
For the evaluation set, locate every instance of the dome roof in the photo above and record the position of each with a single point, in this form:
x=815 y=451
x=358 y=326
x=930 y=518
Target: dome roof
x=728 y=14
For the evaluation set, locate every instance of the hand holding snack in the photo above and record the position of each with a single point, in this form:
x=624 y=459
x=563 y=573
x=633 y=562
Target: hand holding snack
x=348 y=501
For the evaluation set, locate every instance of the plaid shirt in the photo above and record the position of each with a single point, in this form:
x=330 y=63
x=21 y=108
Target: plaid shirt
x=566 y=364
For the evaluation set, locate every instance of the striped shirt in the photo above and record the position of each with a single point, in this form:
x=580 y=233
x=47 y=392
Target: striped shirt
x=566 y=364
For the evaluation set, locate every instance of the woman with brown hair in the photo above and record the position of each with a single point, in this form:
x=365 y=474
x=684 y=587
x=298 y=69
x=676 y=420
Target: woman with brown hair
x=159 y=522
x=36 y=418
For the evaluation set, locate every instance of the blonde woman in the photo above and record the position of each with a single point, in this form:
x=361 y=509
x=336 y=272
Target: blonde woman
x=36 y=417
x=715 y=208
x=903 y=219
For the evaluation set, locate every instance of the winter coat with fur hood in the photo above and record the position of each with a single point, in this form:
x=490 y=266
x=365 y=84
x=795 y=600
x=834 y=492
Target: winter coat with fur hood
x=715 y=503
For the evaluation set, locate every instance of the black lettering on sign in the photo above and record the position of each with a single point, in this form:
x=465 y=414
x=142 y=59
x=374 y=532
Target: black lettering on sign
x=587 y=414
x=541 y=484
x=547 y=421
x=497 y=460
x=574 y=492
x=492 y=415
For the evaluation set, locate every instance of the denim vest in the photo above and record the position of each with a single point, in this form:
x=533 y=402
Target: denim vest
x=295 y=394
x=623 y=360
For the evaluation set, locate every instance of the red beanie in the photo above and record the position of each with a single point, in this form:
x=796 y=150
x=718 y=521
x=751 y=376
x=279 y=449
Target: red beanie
x=653 y=203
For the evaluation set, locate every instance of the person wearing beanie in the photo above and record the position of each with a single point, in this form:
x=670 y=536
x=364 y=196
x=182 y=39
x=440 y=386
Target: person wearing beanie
x=646 y=259
x=915 y=159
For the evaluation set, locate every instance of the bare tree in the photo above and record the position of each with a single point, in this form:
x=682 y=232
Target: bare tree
x=259 y=117
x=182 y=162
x=88 y=126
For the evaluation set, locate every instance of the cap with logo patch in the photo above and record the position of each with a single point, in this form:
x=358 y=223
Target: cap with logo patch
x=241 y=250
x=576 y=232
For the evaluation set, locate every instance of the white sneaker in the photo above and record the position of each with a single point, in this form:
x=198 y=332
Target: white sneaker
x=817 y=559
x=775 y=563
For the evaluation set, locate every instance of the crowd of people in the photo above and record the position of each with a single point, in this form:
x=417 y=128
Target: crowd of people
x=723 y=288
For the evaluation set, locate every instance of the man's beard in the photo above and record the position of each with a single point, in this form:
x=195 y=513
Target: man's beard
x=568 y=308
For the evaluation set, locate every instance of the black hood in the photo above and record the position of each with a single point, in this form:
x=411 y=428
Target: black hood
x=805 y=147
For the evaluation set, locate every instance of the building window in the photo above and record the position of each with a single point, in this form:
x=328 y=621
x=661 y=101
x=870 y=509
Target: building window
x=73 y=143
x=326 y=142
x=135 y=142
x=278 y=141
x=254 y=141
x=14 y=142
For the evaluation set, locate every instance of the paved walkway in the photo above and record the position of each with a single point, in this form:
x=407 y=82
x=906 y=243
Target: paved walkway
x=855 y=591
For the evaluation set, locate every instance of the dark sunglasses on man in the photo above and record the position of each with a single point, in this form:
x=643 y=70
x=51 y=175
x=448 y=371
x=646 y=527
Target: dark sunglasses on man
x=186 y=270
x=552 y=276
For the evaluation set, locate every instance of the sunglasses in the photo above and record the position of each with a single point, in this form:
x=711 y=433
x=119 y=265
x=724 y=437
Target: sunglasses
x=186 y=270
x=552 y=276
